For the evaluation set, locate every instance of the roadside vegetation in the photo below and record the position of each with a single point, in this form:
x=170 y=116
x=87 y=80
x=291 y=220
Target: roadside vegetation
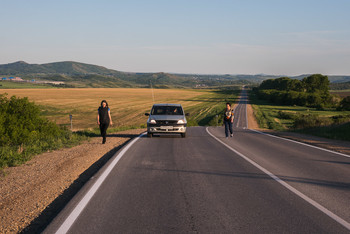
x=24 y=132
x=304 y=106
x=339 y=132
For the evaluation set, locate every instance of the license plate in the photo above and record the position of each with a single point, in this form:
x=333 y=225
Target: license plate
x=167 y=127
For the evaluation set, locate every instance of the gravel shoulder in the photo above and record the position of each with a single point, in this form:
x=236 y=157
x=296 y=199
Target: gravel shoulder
x=45 y=183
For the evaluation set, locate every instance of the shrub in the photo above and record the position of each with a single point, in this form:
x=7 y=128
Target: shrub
x=340 y=119
x=23 y=132
x=310 y=121
x=339 y=132
x=285 y=115
x=345 y=104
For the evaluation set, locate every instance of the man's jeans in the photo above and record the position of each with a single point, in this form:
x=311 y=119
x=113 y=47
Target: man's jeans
x=228 y=126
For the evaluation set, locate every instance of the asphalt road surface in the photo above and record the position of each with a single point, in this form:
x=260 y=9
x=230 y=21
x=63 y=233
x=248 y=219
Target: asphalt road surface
x=206 y=183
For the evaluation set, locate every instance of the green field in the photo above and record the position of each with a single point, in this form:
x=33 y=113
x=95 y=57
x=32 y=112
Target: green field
x=22 y=85
x=127 y=105
x=341 y=93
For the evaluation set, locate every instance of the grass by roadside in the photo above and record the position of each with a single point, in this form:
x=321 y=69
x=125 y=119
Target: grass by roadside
x=14 y=155
x=327 y=123
x=337 y=132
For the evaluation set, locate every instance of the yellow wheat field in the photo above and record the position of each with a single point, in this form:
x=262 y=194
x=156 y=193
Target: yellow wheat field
x=127 y=105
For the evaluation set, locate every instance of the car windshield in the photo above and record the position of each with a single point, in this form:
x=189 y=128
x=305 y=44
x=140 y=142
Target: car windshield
x=166 y=110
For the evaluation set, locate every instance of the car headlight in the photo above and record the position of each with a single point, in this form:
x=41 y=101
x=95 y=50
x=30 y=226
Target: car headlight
x=152 y=121
x=180 y=121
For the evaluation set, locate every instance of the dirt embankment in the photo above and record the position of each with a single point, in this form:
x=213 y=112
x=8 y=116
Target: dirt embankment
x=51 y=178
x=252 y=123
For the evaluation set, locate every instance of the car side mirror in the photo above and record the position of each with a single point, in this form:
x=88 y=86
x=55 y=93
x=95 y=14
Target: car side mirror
x=147 y=114
x=187 y=114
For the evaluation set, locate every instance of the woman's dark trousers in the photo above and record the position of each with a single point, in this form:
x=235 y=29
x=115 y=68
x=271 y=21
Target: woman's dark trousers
x=103 y=129
x=228 y=126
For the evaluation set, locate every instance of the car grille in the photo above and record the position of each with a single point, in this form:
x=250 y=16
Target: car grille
x=166 y=122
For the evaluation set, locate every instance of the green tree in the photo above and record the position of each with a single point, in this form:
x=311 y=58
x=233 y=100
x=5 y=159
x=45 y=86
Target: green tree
x=283 y=84
x=345 y=103
x=316 y=83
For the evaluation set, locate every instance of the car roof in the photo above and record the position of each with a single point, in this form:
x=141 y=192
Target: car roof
x=166 y=104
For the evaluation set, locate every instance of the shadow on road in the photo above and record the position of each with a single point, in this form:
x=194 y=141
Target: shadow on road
x=336 y=162
x=93 y=134
x=261 y=176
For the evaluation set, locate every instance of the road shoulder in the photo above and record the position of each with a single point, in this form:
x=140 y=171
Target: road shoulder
x=28 y=190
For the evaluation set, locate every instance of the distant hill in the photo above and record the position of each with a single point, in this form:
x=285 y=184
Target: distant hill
x=66 y=68
x=332 y=79
x=86 y=75
x=18 y=68
x=77 y=74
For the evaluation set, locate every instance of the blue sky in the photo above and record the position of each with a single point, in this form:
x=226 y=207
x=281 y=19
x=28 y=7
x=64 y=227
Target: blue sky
x=280 y=37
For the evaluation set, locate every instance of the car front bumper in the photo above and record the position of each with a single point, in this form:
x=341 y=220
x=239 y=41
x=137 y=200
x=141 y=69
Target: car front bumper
x=153 y=128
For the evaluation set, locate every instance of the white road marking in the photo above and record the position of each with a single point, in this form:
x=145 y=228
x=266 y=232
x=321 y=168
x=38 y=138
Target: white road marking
x=301 y=143
x=66 y=225
x=246 y=114
x=237 y=122
x=290 y=188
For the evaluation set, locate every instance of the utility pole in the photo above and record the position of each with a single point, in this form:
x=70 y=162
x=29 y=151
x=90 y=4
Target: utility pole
x=152 y=90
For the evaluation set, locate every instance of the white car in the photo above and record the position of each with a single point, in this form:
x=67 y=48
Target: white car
x=166 y=118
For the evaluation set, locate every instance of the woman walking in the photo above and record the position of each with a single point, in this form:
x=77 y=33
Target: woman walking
x=228 y=120
x=104 y=119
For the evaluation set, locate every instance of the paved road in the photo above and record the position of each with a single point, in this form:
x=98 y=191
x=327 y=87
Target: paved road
x=205 y=183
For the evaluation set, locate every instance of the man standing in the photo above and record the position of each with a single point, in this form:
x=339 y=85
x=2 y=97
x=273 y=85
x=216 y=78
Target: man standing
x=228 y=120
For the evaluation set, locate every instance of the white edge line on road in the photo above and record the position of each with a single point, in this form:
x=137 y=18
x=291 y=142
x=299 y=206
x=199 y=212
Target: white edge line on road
x=301 y=143
x=237 y=121
x=246 y=115
x=290 y=188
x=66 y=225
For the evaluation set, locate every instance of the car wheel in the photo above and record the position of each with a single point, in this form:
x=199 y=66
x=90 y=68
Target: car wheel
x=183 y=135
x=149 y=135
